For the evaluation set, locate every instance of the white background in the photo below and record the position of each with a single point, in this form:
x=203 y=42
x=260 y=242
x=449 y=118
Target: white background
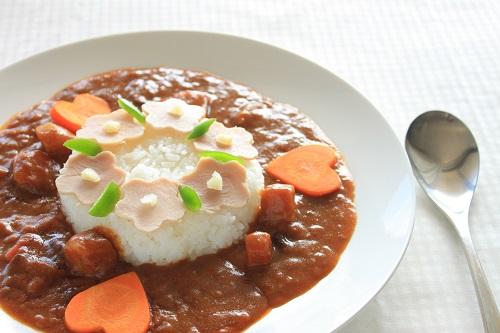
x=405 y=56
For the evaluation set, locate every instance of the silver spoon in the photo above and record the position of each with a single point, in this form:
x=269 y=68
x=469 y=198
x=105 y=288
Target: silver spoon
x=445 y=160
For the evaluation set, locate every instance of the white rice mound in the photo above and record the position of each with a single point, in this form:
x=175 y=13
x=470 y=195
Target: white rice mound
x=195 y=234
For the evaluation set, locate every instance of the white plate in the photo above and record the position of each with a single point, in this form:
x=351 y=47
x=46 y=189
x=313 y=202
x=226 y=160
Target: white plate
x=385 y=197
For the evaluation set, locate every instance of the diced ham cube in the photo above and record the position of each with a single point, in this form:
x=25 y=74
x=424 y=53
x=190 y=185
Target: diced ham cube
x=259 y=248
x=277 y=203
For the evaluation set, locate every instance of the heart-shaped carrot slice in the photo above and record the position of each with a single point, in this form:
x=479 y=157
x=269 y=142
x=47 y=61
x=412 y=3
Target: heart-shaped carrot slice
x=308 y=168
x=72 y=115
x=114 y=306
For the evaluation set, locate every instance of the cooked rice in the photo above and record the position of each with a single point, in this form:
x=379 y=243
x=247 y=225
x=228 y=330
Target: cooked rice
x=195 y=234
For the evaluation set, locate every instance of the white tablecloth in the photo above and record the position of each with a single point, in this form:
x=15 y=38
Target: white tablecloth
x=406 y=56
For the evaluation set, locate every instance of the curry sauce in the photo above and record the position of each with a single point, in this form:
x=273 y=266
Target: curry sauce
x=214 y=293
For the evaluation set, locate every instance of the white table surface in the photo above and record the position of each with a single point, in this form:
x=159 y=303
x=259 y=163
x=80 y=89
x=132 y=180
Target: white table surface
x=406 y=56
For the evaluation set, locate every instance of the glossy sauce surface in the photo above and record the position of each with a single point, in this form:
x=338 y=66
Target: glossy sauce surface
x=214 y=293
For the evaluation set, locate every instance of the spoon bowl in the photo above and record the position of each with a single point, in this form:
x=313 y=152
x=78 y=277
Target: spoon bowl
x=445 y=160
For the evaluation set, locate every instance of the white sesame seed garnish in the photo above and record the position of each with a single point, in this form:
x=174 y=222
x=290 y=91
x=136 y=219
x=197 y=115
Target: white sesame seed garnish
x=224 y=140
x=215 y=182
x=176 y=111
x=111 y=127
x=150 y=200
x=90 y=175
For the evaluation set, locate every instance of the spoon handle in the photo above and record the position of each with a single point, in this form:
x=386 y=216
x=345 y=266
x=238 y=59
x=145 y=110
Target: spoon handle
x=487 y=304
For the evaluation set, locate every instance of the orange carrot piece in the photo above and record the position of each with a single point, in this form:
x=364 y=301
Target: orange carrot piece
x=308 y=168
x=72 y=115
x=114 y=306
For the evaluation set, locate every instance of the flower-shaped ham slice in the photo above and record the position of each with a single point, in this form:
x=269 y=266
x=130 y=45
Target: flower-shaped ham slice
x=111 y=129
x=234 y=192
x=174 y=114
x=150 y=203
x=237 y=141
x=72 y=178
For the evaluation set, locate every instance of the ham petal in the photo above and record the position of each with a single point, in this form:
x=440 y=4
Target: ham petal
x=242 y=141
x=234 y=191
x=104 y=164
x=93 y=128
x=159 y=117
x=169 y=206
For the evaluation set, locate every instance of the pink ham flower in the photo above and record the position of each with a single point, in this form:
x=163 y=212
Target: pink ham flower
x=111 y=129
x=173 y=114
x=87 y=176
x=150 y=203
x=233 y=140
x=233 y=192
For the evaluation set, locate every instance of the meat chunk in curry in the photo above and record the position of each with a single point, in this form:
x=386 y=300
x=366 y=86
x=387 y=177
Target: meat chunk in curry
x=52 y=137
x=34 y=172
x=90 y=254
x=32 y=265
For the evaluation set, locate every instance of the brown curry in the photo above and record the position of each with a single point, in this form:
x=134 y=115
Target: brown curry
x=214 y=293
